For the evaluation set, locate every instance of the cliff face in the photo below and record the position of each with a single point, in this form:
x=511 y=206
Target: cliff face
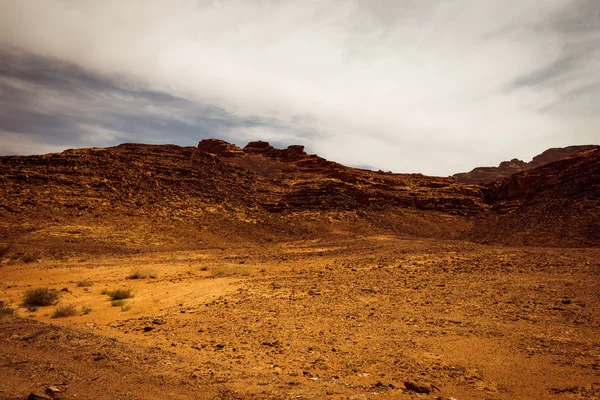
x=506 y=169
x=165 y=196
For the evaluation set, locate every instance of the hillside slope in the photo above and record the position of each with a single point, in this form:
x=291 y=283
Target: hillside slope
x=136 y=197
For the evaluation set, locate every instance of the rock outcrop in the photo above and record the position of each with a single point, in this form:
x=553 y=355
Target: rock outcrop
x=506 y=169
x=555 y=204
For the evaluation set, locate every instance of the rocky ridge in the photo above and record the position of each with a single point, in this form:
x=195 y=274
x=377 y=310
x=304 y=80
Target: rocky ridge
x=506 y=169
x=165 y=196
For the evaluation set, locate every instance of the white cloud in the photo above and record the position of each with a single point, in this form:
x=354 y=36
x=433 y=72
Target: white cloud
x=424 y=86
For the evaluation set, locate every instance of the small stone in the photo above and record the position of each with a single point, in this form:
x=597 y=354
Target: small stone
x=52 y=390
x=158 y=322
x=418 y=387
x=148 y=328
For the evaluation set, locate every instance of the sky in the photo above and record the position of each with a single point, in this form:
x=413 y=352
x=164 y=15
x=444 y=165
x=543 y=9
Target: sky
x=430 y=86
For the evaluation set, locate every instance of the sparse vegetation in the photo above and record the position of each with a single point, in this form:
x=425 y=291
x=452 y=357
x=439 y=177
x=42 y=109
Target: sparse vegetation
x=117 y=303
x=227 y=270
x=85 y=283
x=85 y=310
x=121 y=303
x=6 y=309
x=64 y=310
x=4 y=250
x=22 y=258
x=39 y=297
x=141 y=273
x=28 y=258
x=118 y=294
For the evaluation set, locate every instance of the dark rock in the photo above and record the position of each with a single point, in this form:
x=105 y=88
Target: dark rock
x=418 y=387
x=148 y=328
x=38 y=396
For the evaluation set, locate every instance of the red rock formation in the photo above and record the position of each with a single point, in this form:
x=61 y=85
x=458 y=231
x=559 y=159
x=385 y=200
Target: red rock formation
x=514 y=166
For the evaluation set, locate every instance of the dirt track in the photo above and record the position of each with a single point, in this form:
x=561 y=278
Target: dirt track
x=313 y=320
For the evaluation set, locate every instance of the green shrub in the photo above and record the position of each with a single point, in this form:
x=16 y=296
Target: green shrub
x=118 y=294
x=117 y=303
x=39 y=297
x=85 y=283
x=86 y=310
x=6 y=309
x=64 y=310
x=142 y=274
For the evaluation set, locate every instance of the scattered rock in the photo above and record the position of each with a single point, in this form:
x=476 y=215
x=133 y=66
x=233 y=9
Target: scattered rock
x=51 y=390
x=419 y=387
x=148 y=328
x=158 y=322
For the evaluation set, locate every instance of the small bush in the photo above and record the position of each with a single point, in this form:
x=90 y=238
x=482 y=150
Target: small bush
x=85 y=283
x=85 y=310
x=40 y=297
x=118 y=294
x=28 y=258
x=117 y=303
x=4 y=250
x=64 y=310
x=126 y=307
x=6 y=309
x=231 y=270
x=142 y=274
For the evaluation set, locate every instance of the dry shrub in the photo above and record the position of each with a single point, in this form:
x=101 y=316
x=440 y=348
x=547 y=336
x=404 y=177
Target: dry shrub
x=5 y=309
x=4 y=250
x=119 y=294
x=40 y=297
x=64 y=310
x=85 y=283
x=141 y=273
x=228 y=270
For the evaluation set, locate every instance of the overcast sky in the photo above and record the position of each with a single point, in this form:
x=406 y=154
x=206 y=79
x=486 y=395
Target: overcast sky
x=431 y=86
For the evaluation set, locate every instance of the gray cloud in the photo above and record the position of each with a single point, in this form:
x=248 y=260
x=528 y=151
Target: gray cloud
x=50 y=102
x=410 y=86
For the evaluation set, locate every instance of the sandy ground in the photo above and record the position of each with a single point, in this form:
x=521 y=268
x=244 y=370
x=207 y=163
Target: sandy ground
x=339 y=319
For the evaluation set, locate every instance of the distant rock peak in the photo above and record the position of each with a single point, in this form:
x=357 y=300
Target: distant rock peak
x=225 y=149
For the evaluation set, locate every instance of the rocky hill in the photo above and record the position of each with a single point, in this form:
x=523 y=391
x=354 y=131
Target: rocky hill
x=514 y=166
x=555 y=204
x=138 y=197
